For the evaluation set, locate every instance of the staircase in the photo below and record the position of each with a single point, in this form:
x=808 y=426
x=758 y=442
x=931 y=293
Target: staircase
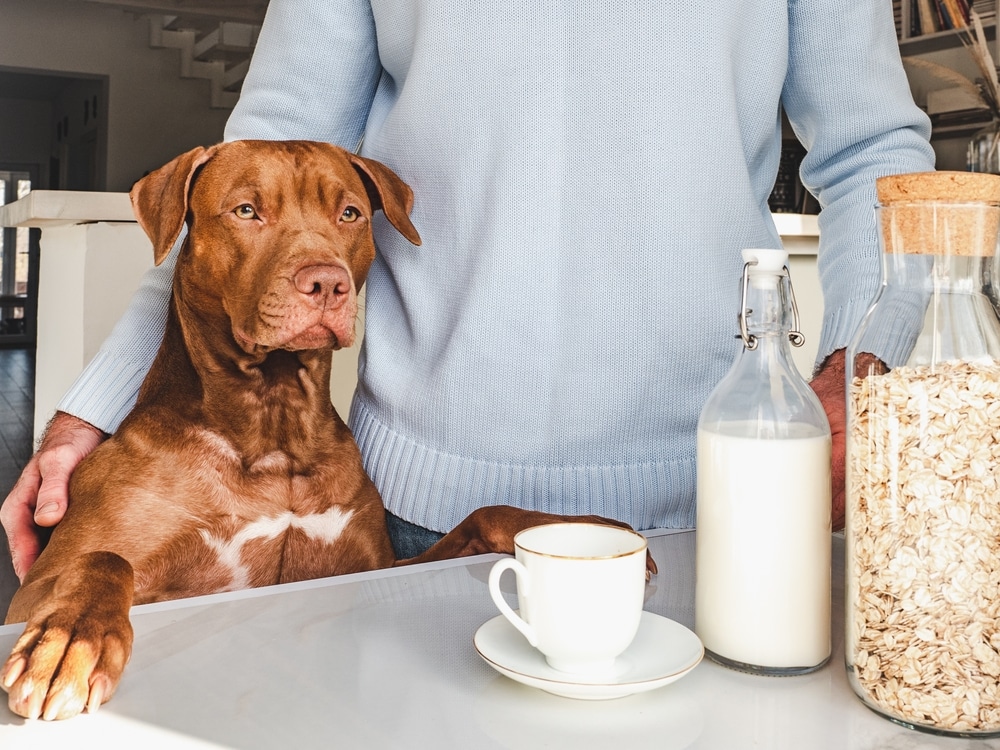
x=214 y=38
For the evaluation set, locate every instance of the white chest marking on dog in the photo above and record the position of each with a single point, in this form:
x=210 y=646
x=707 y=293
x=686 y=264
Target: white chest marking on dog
x=322 y=527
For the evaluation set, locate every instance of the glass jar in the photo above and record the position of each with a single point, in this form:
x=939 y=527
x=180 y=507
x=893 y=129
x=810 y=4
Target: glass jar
x=983 y=153
x=762 y=593
x=923 y=447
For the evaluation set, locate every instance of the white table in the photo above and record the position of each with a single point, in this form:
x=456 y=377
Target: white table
x=385 y=660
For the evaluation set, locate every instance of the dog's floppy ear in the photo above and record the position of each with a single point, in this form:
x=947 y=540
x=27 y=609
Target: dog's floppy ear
x=160 y=199
x=388 y=192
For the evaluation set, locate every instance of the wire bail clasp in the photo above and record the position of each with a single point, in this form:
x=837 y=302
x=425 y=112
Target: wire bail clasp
x=749 y=340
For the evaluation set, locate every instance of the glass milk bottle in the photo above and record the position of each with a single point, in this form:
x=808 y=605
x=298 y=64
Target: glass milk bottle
x=923 y=449
x=762 y=595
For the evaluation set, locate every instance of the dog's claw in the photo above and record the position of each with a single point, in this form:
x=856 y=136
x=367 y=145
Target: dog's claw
x=12 y=670
x=63 y=704
x=24 y=699
x=50 y=702
x=99 y=688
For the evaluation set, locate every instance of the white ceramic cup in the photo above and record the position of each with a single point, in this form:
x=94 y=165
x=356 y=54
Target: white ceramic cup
x=580 y=589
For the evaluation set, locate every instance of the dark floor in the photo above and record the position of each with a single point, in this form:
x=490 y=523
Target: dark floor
x=17 y=389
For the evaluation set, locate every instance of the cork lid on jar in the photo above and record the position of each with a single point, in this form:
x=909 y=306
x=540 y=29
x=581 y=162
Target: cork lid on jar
x=944 y=187
x=940 y=213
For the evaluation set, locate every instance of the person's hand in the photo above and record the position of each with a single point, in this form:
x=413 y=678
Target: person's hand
x=41 y=494
x=830 y=385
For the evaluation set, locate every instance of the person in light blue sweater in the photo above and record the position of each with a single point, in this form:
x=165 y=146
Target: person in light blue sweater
x=586 y=174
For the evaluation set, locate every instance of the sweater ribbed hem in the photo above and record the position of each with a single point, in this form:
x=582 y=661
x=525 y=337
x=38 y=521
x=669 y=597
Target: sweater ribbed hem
x=437 y=490
x=839 y=328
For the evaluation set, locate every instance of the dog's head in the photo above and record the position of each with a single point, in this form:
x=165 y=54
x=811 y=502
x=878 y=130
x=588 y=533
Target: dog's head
x=279 y=236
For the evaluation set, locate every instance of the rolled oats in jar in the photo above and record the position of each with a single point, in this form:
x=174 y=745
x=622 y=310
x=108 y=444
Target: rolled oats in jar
x=923 y=505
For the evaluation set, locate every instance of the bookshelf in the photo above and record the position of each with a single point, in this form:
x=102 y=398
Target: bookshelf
x=912 y=42
x=952 y=124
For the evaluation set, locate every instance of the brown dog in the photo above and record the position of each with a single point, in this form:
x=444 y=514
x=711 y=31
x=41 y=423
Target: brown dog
x=233 y=470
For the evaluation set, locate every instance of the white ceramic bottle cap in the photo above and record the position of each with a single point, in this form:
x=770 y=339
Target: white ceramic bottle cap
x=768 y=260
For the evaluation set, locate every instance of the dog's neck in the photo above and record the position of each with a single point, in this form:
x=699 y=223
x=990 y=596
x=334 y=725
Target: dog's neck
x=260 y=402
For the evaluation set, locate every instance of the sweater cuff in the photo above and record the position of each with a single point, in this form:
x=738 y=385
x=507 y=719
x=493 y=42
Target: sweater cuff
x=105 y=391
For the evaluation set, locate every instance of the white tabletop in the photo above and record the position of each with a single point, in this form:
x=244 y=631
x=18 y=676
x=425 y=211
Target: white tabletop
x=385 y=660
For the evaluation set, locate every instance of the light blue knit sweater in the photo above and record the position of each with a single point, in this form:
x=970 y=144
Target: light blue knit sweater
x=586 y=173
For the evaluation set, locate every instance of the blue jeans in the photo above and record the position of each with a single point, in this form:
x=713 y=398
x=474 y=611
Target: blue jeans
x=408 y=539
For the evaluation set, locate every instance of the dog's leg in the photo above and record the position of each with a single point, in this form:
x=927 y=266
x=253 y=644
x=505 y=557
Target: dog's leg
x=76 y=642
x=492 y=529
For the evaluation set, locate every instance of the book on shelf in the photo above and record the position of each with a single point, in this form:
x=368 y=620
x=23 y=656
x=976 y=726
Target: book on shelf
x=952 y=14
x=930 y=16
x=927 y=17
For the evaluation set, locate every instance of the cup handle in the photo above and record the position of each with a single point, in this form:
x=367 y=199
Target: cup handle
x=509 y=563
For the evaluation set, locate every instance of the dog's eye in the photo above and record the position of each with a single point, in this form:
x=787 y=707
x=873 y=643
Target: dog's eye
x=350 y=214
x=245 y=211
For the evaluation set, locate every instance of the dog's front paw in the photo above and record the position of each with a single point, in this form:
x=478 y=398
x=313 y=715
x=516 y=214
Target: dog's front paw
x=77 y=639
x=65 y=665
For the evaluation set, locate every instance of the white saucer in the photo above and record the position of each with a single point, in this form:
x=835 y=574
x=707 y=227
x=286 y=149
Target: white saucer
x=663 y=651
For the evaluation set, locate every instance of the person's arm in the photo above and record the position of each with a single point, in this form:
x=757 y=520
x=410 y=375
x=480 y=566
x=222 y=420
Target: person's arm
x=829 y=384
x=313 y=75
x=848 y=100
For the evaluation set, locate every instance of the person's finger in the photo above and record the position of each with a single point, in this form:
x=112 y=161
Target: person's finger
x=17 y=517
x=55 y=467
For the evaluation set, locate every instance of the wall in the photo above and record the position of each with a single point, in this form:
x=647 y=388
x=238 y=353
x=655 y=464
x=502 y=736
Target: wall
x=79 y=123
x=153 y=114
x=24 y=132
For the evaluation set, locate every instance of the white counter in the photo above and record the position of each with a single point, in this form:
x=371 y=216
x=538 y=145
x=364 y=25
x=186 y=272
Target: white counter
x=799 y=232
x=385 y=660
x=56 y=208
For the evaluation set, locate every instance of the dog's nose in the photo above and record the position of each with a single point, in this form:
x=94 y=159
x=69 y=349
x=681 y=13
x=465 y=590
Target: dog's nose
x=322 y=281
